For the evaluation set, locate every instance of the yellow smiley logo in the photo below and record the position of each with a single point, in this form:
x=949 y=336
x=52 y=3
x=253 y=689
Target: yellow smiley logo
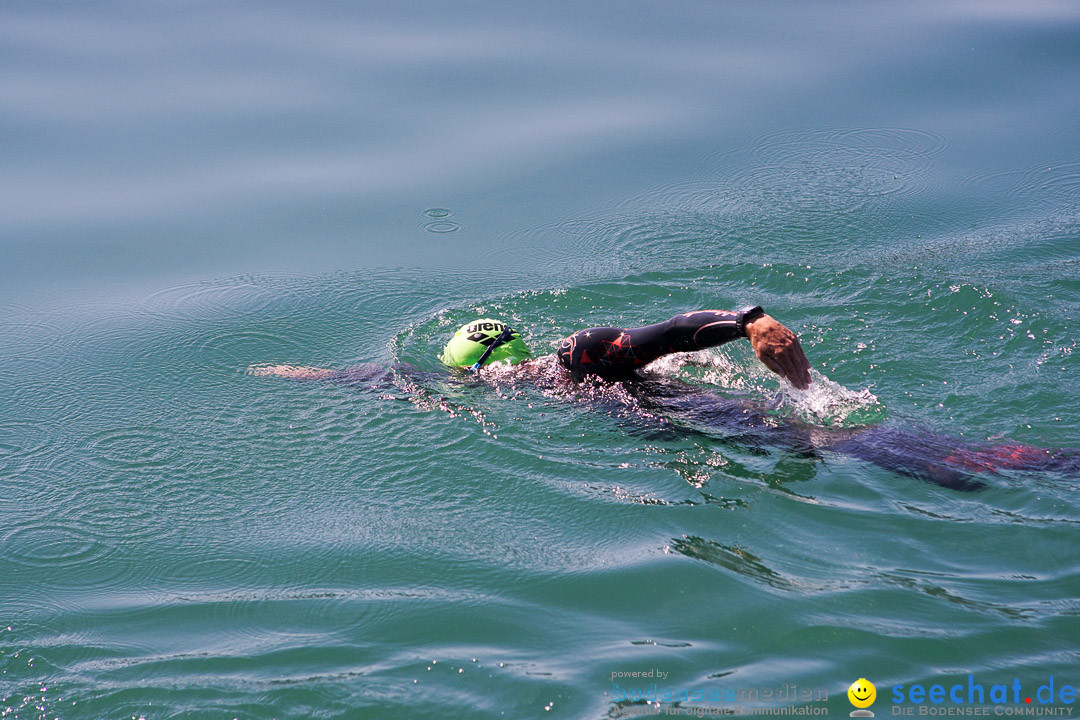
x=862 y=693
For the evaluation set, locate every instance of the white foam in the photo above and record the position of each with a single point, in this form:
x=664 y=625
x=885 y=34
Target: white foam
x=824 y=403
x=829 y=403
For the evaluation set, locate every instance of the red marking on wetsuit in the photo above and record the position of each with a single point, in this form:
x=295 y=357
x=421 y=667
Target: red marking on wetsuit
x=1017 y=455
x=1008 y=457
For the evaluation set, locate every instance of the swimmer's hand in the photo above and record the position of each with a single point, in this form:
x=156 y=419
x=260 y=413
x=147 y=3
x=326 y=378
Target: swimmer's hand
x=779 y=350
x=291 y=371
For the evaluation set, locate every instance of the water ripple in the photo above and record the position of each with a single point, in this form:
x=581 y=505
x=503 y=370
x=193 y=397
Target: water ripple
x=24 y=446
x=1043 y=188
x=227 y=348
x=224 y=299
x=1052 y=185
x=59 y=554
x=132 y=447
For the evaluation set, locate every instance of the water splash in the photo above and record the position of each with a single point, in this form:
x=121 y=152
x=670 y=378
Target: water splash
x=825 y=403
x=830 y=404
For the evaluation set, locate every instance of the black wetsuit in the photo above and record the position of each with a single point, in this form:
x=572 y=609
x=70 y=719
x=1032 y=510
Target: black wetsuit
x=618 y=351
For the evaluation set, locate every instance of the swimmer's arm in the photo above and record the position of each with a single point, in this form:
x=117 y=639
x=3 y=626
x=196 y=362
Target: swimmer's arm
x=776 y=346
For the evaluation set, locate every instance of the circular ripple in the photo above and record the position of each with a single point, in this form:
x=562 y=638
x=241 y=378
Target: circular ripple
x=872 y=144
x=25 y=337
x=573 y=246
x=120 y=513
x=120 y=492
x=438 y=213
x=127 y=448
x=227 y=348
x=442 y=226
x=875 y=141
x=240 y=572
x=211 y=497
x=32 y=351
x=826 y=185
x=709 y=196
x=1008 y=178
x=52 y=545
x=846 y=182
x=22 y=444
x=220 y=299
x=866 y=162
x=1059 y=182
x=1043 y=187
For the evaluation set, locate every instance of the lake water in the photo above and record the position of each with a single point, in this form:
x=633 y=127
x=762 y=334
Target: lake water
x=189 y=189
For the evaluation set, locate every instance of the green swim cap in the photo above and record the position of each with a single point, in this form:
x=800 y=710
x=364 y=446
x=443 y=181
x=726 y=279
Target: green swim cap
x=473 y=338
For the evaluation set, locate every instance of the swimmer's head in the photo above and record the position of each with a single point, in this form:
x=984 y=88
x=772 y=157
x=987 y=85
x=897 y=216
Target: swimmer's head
x=473 y=338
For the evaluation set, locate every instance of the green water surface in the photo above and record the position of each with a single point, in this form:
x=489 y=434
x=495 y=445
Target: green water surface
x=194 y=189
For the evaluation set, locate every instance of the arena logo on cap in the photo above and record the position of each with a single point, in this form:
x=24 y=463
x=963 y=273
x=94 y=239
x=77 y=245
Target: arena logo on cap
x=485 y=326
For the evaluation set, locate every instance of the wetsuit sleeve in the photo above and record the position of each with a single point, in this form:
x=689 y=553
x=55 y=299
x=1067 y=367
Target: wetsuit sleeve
x=608 y=349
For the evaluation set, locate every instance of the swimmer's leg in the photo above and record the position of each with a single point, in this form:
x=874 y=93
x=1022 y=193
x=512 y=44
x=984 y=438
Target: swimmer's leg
x=915 y=453
x=295 y=372
x=949 y=461
x=368 y=375
x=1016 y=456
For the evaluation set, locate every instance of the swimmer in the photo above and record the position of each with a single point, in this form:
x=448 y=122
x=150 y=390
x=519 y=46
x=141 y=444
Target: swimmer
x=617 y=355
